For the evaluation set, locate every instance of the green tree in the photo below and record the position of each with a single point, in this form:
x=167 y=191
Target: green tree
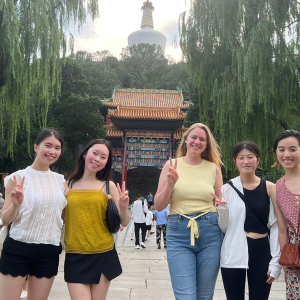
x=243 y=59
x=34 y=36
x=77 y=115
x=143 y=66
x=101 y=70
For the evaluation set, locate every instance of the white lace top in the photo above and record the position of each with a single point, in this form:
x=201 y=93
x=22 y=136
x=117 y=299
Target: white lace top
x=39 y=219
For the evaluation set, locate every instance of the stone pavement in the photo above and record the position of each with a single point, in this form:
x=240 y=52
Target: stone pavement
x=145 y=275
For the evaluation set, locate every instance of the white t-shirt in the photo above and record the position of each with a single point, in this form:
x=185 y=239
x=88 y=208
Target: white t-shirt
x=139 y=210
x=39 y=218
x=149 y=217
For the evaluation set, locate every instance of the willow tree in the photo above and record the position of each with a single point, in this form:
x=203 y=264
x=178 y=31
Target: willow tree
x=33 y=39
x=243 y=56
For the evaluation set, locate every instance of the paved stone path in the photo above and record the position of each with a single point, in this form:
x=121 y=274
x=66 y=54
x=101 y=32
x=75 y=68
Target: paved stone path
x=146 y=276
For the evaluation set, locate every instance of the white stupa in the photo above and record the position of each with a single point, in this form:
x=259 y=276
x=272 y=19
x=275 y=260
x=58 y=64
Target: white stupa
x=147 y=34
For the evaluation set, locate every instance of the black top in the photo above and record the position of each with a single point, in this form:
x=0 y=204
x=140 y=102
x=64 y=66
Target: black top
x=258 y=202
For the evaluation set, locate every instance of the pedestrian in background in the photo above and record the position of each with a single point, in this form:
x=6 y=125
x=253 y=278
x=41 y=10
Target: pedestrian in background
x=194 y=238
x=149 y=218
x=139 y=209
x=161 y=226
x=150 y=198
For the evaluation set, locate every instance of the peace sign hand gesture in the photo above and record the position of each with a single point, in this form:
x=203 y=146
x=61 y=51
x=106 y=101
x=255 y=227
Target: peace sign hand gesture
x=17 y=195
x=219 y=200
x=124 y=199
x=172 y=175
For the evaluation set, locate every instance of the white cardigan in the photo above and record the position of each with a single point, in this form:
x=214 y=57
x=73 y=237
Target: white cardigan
x=234 y=252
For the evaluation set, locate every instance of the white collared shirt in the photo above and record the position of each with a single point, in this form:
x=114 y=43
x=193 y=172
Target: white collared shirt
x=234 y=251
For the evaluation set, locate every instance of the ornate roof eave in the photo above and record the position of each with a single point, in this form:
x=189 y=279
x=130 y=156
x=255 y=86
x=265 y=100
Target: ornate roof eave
x=177 y=135
x=147 y=124
x=113 y=132
x=142 y=114
x=146 y=97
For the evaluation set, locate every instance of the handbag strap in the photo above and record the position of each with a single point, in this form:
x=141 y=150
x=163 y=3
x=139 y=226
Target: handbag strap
x=256 y=215
x=107 y=190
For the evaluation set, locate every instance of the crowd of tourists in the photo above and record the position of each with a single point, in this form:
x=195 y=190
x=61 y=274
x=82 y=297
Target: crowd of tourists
x=245 y=227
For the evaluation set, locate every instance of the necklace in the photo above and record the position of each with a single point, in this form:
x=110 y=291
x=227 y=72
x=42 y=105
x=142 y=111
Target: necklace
x=297 y=199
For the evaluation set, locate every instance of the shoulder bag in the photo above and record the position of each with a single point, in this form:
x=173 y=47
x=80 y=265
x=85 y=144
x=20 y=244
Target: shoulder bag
x=113 y=220
x=290 y=253
x=243 y=198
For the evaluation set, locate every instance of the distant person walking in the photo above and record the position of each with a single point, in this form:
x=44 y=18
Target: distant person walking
x=150 y=198
x=149 y=218
x=139 y=209
x=161 y=226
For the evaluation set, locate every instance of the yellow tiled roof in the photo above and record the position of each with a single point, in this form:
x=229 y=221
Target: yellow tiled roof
x=138 y=113
x=112 y=131
x=177 y=135
x=146 y=97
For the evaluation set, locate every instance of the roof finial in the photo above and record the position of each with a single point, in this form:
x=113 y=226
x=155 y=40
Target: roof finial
x=147 y=20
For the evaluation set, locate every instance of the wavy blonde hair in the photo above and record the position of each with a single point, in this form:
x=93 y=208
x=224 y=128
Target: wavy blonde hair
x=212 y=152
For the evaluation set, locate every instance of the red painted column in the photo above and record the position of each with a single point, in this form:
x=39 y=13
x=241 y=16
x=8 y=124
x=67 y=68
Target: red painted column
x=170 y=148
x=124 y=168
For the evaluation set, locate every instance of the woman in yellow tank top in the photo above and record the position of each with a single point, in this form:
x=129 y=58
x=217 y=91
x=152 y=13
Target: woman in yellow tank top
x=91 y=259
x=193 y=236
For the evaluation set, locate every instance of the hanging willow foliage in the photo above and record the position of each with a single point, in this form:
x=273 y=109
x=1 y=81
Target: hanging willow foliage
x=33 y=39
x=243 y=56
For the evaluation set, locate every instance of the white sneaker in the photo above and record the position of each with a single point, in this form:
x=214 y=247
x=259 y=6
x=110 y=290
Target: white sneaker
x=146 y=239
x=143 y=245
x=23 y=294
x=137 y=247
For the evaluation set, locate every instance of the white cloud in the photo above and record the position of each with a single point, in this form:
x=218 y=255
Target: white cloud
x=119 y=18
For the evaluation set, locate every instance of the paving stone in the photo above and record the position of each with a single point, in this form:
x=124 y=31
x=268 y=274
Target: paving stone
x=146 y=275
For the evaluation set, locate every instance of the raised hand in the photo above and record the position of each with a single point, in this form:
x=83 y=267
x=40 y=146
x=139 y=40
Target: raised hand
x=124 y=199
x=172 y=175
x=17 y=195
x=219 y=200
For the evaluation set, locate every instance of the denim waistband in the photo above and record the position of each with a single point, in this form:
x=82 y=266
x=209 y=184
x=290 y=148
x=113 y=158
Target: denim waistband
x=192 y=215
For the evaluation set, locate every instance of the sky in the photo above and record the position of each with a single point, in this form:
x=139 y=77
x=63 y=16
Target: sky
x=119 y=18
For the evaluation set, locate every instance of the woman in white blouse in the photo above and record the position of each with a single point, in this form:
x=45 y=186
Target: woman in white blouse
x=34 y=201
x=246 y=223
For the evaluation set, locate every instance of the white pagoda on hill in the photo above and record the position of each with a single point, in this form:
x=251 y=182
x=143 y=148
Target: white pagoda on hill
x=147 y=34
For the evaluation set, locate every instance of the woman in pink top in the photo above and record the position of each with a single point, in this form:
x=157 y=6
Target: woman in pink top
x=287 y=195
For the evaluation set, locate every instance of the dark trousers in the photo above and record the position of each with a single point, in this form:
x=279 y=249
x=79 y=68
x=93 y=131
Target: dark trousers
x=234 y=279
x=159 y=229
x=137 y=227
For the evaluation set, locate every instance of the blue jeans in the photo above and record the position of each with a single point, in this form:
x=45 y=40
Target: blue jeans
x=194 y=269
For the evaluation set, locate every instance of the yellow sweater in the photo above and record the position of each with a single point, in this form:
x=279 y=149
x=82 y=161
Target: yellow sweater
x=192 y=190
x=86 y=231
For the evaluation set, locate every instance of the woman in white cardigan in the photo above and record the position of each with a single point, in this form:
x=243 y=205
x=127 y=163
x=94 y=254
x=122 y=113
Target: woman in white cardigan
x=246 y=223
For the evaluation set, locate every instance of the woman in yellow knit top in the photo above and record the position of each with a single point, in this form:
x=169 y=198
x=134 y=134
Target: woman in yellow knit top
x=193 y=236
x=91 y=259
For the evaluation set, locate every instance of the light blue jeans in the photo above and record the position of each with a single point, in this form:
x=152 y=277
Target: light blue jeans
x=194 y=269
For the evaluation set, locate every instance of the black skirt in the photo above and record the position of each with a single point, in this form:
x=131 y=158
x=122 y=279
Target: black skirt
x=87 y=268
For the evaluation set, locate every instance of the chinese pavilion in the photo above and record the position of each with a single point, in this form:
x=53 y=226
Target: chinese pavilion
x=144 y=127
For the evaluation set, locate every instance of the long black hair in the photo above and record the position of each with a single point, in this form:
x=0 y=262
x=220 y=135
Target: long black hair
x=104 y=174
